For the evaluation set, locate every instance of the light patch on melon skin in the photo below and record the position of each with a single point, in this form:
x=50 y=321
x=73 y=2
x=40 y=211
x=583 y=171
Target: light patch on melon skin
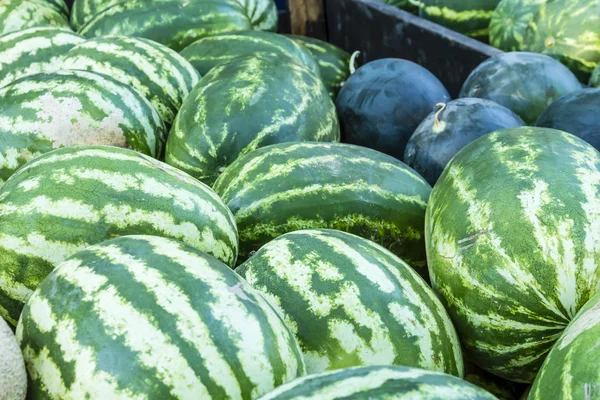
x=552 y=242
x=30 y=184
x=63 y=208
x=190 y=325
x=13 y=288
x=230 y=310
x=41 y=314
x=83 y=154
x=9 y=157
x=582 y=324
x=63 y=122
x=36 y=245
x=41 y=367
x=124 y=216
x=153 y=348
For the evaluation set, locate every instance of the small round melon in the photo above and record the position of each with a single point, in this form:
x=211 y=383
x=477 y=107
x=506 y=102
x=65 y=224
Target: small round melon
x=13 y=377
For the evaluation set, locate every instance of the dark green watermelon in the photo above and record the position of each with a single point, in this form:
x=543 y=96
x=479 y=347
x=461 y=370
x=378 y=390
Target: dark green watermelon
x=524 y=82
x=577 y=113
x=446 y=131
x=384 y=101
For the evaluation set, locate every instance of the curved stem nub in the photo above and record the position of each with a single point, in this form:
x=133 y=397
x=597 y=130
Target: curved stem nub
x=353 y=61
x=436 y=121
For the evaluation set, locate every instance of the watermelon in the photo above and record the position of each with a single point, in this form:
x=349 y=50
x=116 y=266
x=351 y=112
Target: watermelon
x=568 y=30
x=510 y=21
x=334 y=63
x=16 y=15
x=572 y=368
x=469 y=17
x=49 y=110
x=453 y=126
x=576 y=113
x=73 y=197
x=379 y=383
x=350 y=302
x=251 y=102
x=595 y=79
x=380 y=106
x=145 y=317
x=84 y=10
x=13 y=377
x=501 y=388
x=526 y=83
x=159 y=73
x=407 y=5
x=291 y=186
x=34 y=50
x=512 y=234
x=210 y=51
x=175 y=23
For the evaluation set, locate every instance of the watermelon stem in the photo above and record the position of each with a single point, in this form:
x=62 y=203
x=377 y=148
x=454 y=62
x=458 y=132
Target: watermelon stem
x=353 y=61
x=438 y=125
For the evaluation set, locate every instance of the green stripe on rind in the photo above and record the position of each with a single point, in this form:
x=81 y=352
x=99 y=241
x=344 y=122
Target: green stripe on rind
x=84 y=10
x=292 y=186
x=379 y=382
x=70 y=198
x=334 y=63
x=469 y=17
x=49 y=110
x=208 y=52
x=512 y=231
x=568 y=30
x=159 y=73
x=34 y=50
x=143 y=317
x=16 y=15
x=571 y=369
x=350 y=302
x=510 y=21
x=262 y=14
x=173 y=23
x=251 y=102
x=61 y=6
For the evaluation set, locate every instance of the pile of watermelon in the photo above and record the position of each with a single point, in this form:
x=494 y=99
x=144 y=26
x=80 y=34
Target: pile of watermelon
x=193 y=206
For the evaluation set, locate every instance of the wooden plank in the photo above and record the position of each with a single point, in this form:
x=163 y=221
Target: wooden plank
x=379 y=30
x=307 y=18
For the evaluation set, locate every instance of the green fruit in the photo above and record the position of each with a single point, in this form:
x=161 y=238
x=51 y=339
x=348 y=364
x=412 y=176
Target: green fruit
x=73 y=197
x=379 y=383
x=211 y=51
x=13 y=377
x=177 y=24
x=50 y=110
x=16 y=15
x=572 y=368
x=471 y=17
x=159 y=73
x=292 y=186
x=510 y=21
x=145 y=317
x=334 y=63
x=34 y=50
x=523 y=82
x=568 y=30
x=350 y=302
x=252 y=102
x=511 y=230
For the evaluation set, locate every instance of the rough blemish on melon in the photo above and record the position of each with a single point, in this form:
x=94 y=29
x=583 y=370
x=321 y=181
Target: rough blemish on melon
x=64 y=123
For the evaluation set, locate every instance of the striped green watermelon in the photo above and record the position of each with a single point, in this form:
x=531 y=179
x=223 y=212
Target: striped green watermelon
x=145 y=317
x=84 y=10
x=568 y=30
x=512 y=230
x=72 y=197
x=469 y=17
x=350 y=302
x=510 y=21
x=16 y=15
x=177 y=24
x=210 y=51
x=292 y=186
x=572 y=368
x=252 y=102
x=595 y=79
x=49 y=110
x=159 y=73
x=334 y=63
x=34 y=50
x=379 y=383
